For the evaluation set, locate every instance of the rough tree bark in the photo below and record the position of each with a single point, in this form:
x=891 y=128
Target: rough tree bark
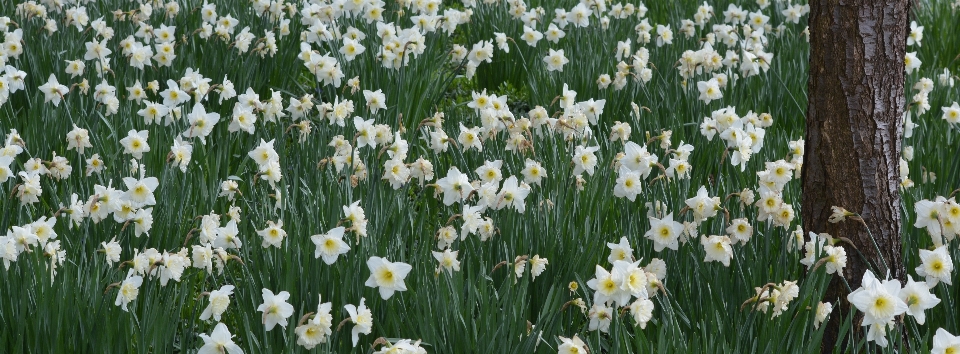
x=853 y=139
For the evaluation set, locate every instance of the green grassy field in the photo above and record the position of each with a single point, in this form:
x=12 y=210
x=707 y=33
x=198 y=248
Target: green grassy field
x=492 y=303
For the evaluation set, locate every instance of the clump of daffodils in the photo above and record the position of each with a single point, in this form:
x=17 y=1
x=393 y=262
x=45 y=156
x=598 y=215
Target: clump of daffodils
x=879 y=303
x=626 y=285
x=939 y=217
x=493 y=160
x=316 y=330
x=824 y=250
x=775 y=297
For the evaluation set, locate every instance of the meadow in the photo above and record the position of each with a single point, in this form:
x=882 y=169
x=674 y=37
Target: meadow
x=456 y=176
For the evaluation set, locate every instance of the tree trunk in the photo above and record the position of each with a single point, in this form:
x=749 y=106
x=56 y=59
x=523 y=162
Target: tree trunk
x=854 y=133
